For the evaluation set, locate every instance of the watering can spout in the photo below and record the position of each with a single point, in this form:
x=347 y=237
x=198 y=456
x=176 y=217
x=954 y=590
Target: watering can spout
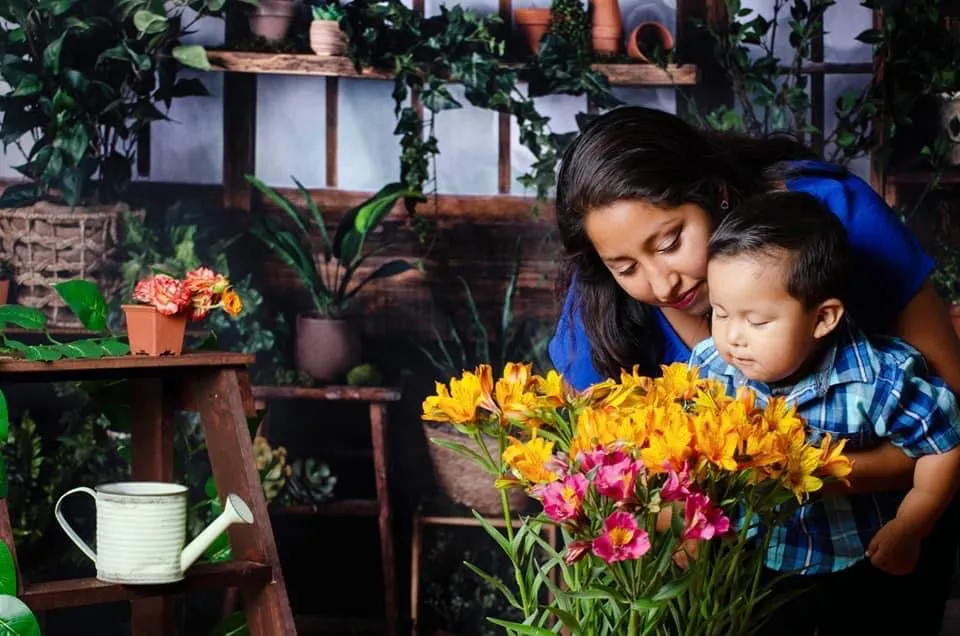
x=235 y=511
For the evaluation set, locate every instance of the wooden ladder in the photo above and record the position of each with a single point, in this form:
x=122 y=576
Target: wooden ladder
x=216 y=385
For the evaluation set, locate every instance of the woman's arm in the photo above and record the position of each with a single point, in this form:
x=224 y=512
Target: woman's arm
x=925 y=324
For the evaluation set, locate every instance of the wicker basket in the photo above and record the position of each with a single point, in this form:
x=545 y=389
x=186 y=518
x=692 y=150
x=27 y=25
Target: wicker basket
x=464 y=481
x=48 y=243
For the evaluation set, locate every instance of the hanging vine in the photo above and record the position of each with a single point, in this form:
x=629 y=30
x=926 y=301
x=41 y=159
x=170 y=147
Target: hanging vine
x=428 y=54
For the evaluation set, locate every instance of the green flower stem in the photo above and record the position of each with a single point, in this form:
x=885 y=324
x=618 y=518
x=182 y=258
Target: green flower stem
x=633 y=627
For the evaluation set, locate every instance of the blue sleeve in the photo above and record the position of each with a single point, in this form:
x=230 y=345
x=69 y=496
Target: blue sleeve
x=569 y=349
x=888 y=263
x=917 y=415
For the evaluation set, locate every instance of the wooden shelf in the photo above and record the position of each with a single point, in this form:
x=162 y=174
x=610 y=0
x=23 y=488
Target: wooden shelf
x=329 y=393
x=88 y=591
x=337 y=508
x=922 y=176
x=314 y=65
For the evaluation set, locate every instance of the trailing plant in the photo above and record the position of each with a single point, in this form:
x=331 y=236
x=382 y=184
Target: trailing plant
x=329 y=280
x=427 y=54
x=771 y=93
x=85 y=79
x=569 y=21
x=326 y=11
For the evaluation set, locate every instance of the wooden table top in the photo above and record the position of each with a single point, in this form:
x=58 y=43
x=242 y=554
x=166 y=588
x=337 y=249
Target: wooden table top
x=120 y=366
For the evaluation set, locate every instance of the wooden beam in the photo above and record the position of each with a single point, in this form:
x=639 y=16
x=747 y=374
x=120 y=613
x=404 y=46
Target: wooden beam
x=332 y=140
x=239 y=139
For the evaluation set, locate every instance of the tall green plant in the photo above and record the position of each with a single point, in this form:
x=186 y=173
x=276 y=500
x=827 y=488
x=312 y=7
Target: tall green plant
x=330 y=279
x=86 y=78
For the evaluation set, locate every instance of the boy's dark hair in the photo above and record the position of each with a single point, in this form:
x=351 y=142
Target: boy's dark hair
x=796 y=223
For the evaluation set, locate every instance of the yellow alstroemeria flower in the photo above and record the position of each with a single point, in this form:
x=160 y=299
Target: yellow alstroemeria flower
x=799 y=473
x=716 y=439
x=528 y=460
x=670 y=446
x=832 y=461
x=679 y=380
x=458 y=404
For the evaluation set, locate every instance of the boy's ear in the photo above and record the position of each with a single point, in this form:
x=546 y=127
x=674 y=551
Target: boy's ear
x=828 y=317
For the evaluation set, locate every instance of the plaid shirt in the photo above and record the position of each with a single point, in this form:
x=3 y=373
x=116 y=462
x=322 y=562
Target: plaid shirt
x=863 y=392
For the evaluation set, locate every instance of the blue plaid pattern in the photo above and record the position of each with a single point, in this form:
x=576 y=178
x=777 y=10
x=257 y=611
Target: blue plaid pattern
x=864 y=392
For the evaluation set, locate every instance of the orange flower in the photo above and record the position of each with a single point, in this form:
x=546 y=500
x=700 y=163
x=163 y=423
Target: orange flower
x=232 y=304
x=528 y=460
x=204 y=279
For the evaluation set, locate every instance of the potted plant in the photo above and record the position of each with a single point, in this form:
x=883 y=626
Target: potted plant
x=326 y=36
x=6 y=275
x=458 y=347
x=326 y=342
x=83 y=81
x=157 y=326
x=271 y=19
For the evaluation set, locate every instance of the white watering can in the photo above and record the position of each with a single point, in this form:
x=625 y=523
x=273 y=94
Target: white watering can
x=142 y=528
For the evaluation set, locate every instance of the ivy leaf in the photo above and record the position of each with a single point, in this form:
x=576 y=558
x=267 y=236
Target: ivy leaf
x=16 y=618
x=148 y=22
x=114 y=347
x=86 y=301
x=192 y=55
x=23 y=317
x=19 y=195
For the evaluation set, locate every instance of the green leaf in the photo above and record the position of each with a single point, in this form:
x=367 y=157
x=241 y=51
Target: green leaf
x=51 y=55
x=148 y=22
x=192 y=55
x=19 y=195
x=388 y=269
x=520 y=628
x=44 y=353
x=28 y=85
x=73 y=141
x=56 y=7
x=86 y=301
x=114 y=347
x=23 y=317
x=233 y=625
x=8 y=572
x=16 y=619
x=672 y=589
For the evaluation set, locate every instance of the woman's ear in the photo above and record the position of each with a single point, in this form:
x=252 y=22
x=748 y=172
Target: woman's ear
x=828 y=317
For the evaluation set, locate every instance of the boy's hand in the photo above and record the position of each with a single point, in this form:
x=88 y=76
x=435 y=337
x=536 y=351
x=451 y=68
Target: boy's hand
x=893 y=549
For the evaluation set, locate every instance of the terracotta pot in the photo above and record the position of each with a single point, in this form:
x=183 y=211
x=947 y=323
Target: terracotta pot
x=326 y=349
x=534 y=24
x=327 y=38
x=606 y=26
x=153 y=333
x=4 y=291
x=648 y=37
x=271 y=20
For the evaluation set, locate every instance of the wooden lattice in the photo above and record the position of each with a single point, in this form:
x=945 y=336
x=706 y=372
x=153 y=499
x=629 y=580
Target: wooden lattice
x=48 y=243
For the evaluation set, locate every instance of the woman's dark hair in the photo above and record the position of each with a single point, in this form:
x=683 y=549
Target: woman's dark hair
x=800 y=225
x=636 y=153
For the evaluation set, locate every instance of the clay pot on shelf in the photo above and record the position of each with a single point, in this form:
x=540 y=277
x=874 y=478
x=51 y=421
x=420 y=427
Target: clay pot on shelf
x=534 y=24
x=327 y=38
x=606 y=26
x=648 y=38
x=271 y=20
x=325 y=349
x=152 y=333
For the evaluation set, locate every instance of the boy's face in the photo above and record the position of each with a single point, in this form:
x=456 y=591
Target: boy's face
x=757 y=326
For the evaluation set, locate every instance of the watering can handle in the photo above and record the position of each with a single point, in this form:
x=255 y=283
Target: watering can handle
x=80 y=543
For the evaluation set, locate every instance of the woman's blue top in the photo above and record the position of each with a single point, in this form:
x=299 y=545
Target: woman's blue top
x=888 y=268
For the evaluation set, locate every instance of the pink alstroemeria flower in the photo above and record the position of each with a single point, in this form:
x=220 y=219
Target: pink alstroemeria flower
x=562 y=499
x=677 y=485
x=576 y=550
x=617 y=481
x=702 y=519
x=599 y=457
x=622 y=540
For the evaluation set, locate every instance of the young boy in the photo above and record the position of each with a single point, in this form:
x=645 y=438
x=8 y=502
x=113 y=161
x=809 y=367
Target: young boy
x=777 y=279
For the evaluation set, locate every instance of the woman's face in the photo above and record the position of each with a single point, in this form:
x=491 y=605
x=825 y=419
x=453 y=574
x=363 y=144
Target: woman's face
x=657 y=255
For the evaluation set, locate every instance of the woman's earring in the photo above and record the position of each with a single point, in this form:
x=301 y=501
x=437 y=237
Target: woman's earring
x=724 y=205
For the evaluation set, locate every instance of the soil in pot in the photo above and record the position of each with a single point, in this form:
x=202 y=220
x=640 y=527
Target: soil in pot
x=325 y=349
x=271 y=20
x=463 y=480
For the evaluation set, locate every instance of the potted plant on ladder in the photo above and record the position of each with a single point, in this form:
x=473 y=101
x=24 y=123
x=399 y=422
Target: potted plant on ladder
x=327 y=342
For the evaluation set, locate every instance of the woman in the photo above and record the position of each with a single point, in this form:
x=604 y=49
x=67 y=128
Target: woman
x=638 y=195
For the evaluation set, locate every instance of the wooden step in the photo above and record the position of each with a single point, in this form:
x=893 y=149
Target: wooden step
x=90 y=591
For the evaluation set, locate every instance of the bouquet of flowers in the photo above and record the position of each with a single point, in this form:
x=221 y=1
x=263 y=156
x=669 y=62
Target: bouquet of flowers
x=661 y=488
x=196 y=295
